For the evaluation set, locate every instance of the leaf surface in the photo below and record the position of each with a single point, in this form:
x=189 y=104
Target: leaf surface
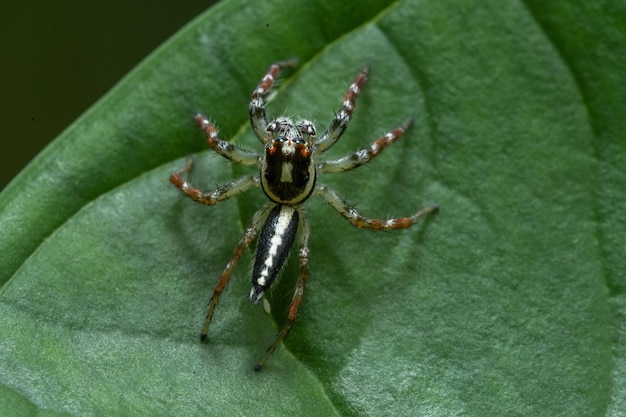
x=508 y=302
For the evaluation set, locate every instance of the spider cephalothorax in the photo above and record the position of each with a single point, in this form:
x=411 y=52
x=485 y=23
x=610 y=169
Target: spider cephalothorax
x=287 y=175
x=288 y=169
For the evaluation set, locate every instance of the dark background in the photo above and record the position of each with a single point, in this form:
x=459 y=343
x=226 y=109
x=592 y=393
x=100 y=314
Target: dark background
x=58 y=58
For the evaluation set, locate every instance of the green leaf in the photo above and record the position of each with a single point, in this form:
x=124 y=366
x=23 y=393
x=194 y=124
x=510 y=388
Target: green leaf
x=509 y=302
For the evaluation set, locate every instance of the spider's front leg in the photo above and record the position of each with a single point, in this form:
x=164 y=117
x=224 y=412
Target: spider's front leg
x=294 y=306
x=350 y=214
x=258 y=120
x=342 y=118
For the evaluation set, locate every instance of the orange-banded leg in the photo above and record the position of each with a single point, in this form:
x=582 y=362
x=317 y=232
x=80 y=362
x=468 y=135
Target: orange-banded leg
x=223 y=148
x=258 y=120
x=248 y=236
x=342 y=118
x=365 y=155
x=350 y=214
x=217 y=196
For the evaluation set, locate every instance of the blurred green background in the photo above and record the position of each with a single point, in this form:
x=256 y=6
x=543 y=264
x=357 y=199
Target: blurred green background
x=58 y=58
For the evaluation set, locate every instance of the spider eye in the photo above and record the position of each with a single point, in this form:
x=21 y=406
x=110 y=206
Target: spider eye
x=295 y=140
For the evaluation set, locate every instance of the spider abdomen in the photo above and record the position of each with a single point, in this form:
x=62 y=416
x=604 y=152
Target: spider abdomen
x=275 y=242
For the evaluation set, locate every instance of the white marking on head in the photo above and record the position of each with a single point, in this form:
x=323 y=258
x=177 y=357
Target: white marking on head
x=288 y=148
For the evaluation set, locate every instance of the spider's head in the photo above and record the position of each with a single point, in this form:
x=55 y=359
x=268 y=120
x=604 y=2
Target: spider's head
x=287 y=169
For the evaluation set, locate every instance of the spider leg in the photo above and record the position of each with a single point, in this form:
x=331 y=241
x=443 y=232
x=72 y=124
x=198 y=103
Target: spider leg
x=294 y=306
x=256 y=107
x=342 y=118
x=363 y=156
x=248 y=236
x=217 y=196
x=350 y=214
x=223 y=148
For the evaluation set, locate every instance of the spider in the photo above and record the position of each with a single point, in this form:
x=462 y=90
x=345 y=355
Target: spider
x=288 y=172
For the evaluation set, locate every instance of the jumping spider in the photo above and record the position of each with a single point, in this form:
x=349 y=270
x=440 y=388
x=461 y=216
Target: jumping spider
x=288 y=171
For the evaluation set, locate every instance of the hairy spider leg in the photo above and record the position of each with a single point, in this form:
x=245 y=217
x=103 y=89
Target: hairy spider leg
x=363 y=156
x=248 y=236
x=223 y=148
x=258 y=120
x=294 y=306
x=350 y=214
x=342 y=118
x=217 y=196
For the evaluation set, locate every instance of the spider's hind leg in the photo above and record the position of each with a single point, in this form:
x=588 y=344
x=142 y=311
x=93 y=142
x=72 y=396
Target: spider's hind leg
x=248 y=236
